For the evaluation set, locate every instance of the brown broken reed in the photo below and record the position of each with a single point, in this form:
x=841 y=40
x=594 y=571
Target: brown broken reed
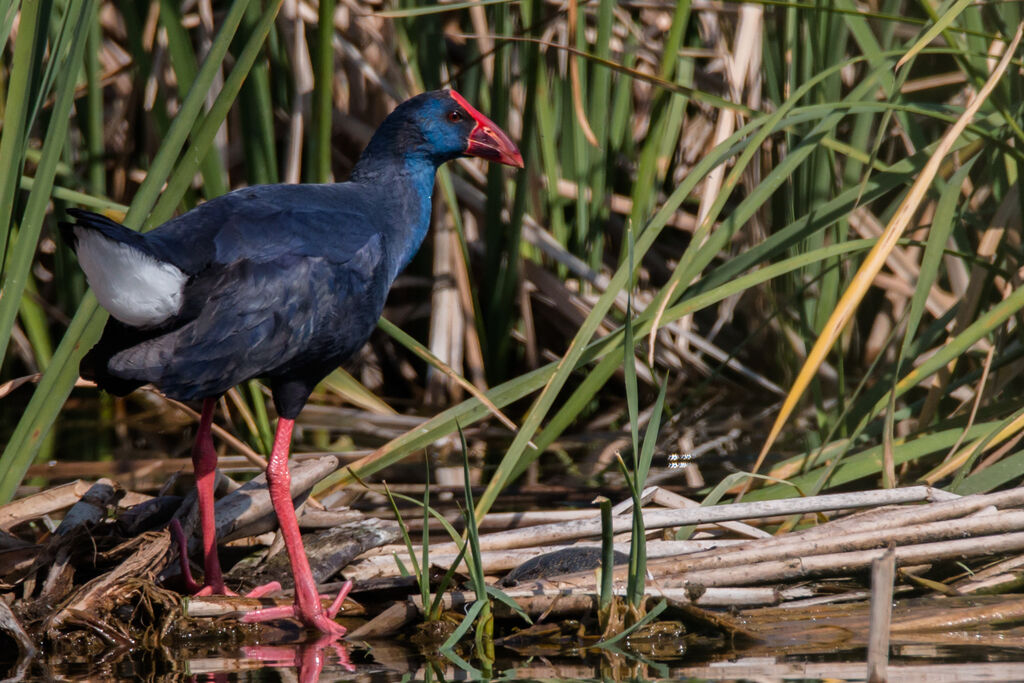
x=992 y=579
x=883 y=571
x=108 y=588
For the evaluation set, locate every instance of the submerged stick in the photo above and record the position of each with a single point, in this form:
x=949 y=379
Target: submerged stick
x=1002 y=612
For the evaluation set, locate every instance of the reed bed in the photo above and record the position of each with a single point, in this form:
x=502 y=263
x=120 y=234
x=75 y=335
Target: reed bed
x=818 y=238
x=759 y=251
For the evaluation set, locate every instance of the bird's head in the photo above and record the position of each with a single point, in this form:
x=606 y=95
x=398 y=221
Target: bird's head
x=441 y=125
x=484 y=139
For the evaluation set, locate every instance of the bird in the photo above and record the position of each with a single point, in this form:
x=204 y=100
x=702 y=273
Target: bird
x=282 y=282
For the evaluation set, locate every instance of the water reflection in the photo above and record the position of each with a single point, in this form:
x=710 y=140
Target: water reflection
x=324 y=659
x=307 y=658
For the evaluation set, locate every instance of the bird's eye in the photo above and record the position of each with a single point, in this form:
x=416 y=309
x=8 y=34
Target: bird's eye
x=454 y=116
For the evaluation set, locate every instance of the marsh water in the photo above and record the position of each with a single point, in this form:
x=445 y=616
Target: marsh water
x=385 y=661
x=831 y=653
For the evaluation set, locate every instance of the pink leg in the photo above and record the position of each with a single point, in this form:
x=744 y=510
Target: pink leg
x=204 y=464
x=307 y=607
x=308 y=657
x=186 y=571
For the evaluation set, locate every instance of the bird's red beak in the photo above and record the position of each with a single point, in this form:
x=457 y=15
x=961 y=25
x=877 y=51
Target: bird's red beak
x=486 y=140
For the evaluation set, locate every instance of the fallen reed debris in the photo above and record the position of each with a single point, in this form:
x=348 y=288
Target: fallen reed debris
x=938 y=533
x=78 y=575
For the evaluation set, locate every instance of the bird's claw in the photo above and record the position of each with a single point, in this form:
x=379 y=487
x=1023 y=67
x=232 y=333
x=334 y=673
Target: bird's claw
x=265 y=589
x=317 y=617
x=208 y=589
x=219 y=588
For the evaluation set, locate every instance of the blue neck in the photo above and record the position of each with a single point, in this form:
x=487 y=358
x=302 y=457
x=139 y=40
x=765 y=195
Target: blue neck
x=420 y=173
x=404 y=183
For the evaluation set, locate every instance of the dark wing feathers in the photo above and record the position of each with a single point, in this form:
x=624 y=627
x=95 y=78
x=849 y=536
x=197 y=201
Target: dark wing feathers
x=259 y=223
x=259 y=318
x=269 y=222
x=281 y=277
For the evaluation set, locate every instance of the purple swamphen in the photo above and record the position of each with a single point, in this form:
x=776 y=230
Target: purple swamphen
x=277 y=281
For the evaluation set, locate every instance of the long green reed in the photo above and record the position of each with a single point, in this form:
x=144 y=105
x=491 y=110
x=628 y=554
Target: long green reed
x=84 y=328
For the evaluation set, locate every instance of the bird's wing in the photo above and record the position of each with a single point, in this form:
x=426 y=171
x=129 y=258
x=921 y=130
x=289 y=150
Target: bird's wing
x=267 y=223
x=254 y=318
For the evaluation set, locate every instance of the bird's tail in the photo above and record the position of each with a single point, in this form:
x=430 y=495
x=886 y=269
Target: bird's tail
x=129 y=279
x=90 y=220
x=139 y=290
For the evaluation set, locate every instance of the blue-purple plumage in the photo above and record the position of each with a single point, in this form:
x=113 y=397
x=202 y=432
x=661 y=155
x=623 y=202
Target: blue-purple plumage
x=280 y=281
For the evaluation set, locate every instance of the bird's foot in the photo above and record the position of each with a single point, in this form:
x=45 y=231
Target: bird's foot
x=214 y=585
x=316 y=617
x=218 y=588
